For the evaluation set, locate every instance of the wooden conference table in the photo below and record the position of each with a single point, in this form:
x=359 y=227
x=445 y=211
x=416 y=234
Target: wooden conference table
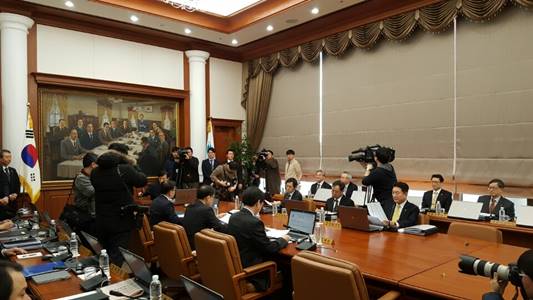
x=422 y=267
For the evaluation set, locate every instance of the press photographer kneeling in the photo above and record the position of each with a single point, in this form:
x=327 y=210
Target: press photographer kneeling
x=519 y=274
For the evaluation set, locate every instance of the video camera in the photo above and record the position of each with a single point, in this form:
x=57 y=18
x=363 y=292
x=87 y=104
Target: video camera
x=475 y=266
x=262 y=155
x=182 y=153
x=367 y=154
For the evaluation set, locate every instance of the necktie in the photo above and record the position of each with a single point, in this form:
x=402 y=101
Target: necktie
x=492 y=205
x=434 y=200
x=396 y=215
x=335 y=204
x=6 y=170
x=212 y=164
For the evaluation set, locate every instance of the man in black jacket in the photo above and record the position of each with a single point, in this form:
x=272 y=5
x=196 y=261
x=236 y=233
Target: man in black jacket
x=291 y=193
x=382 y=178
x=437 y=194
x=162 y=207
x=349 y=186
x=249 y=231
x=320 y=182
x=155 y=189
x=337 y=197
x=199 y=215
x=208 y=165
x=113 y=182
x=400 y=212
x=494 y=201
x=190 y=176
x=9 y=186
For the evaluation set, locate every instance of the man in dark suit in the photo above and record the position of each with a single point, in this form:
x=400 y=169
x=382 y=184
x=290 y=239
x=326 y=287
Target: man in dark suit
x=79 y=128
x=9 y=186
x=104 y=136
x=320 y=182
x=154 y=189
x=89 y=140
x=162 y=207
x=494 y=201
x=400 y=212
x=337 y=197
x=291 y=193
x=199 y=215
x=190 y=176
x=437 y=194
x=249 y=232
x=208 y=165
x=71 y=148
x=349 y=186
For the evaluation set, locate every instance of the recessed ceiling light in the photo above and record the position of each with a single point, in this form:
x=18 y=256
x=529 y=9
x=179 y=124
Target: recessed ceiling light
x=188 y=31
x=270 y=28
x=69 y=4
x=315 y=11
x=134 y=18
x=234 y=42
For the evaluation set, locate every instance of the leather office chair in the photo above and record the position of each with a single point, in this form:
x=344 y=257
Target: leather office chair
x=142 y=242
x=221 y=269
x=475 y=231
x=310 y=269
x=174 y=251
x=306 y=205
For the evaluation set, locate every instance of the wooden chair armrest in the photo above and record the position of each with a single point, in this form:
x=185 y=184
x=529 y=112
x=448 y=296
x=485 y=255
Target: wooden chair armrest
x=391 y=295
x=269 y=266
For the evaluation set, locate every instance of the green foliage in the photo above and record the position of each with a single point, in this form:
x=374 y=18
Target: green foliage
x=243 y=152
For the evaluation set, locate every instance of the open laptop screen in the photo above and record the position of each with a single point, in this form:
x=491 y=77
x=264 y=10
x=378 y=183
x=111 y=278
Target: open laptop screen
x=303 y=221
x=199 y=292
x=137 y=266
x=96 y=248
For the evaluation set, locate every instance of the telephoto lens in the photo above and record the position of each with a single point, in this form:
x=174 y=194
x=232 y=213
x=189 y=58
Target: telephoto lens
x=475 y=266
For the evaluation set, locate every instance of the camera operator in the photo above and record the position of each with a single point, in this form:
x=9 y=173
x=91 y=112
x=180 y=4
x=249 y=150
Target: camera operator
x=525 y=265
x=172 y=164
x=190 y=176
x=382 y=177
x=272 y=176
x=225 y=179
x=113 y=181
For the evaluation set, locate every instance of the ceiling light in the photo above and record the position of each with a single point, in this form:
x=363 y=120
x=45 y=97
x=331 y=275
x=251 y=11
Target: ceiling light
x=188 y=31
x=315 y=11
x=234 y=42
x=270 y=28
x=134 y=18
x=69 y=4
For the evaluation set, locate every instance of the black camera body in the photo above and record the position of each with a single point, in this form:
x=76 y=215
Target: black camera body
x=475 y=266
x=182 y=153
x=261 y=158
x=367 y=154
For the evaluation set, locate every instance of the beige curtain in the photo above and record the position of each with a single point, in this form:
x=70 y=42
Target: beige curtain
x=258 y=101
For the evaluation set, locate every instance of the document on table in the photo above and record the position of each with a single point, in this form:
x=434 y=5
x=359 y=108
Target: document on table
x=225 y=218
x=275 y=233
x=375 y=210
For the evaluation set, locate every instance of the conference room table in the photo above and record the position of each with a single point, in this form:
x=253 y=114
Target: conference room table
x=424 y=267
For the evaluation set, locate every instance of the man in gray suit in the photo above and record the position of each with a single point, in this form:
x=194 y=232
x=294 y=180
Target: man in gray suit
x=71 y=148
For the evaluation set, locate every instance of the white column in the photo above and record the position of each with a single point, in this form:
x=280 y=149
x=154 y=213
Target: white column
x=14 y=56
x=197 y=102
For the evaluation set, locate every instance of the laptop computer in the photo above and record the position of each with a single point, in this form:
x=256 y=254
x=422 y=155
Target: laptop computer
x=465 y=210
x=142 y=274
x=93 y=243
x=197 y=291
x=524 y=216
x=301 y=224
x=356 y=218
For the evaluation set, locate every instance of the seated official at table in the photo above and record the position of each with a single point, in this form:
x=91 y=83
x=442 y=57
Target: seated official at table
x=525 y=267
x=349 y=186
x=337 y=197
x=200 y=215
x=291 y=193
x=13 y=284
x=89 y=139
x=249 y=232
x=494 y=201
x=154 y=189
x=162 y=207
x=400 y=212
x=430 y=198
x=320 y=182
x=71 y=148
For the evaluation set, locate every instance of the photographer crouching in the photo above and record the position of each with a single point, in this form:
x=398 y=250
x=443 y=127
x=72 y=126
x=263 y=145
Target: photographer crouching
x=113 y=181
x=379 y=172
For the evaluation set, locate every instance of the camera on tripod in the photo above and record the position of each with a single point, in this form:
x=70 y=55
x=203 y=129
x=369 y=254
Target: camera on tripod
x=475 y=266
x=367 y=154
x=182 y=153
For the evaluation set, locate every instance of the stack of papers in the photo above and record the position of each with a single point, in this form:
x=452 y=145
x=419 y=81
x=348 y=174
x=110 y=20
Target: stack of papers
x=225 y=218
x=423 y=229
x=275 y=233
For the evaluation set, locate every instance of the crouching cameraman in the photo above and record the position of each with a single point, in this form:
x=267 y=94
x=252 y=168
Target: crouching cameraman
x=113 y=182
x=525 y=282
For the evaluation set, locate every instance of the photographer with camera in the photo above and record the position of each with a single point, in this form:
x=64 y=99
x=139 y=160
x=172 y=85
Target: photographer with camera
x=190 y=177
x=172 y=164
x=380 y=173
x=225 y=179
x=113 y=181
x=520 y=275
x=270 y=167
